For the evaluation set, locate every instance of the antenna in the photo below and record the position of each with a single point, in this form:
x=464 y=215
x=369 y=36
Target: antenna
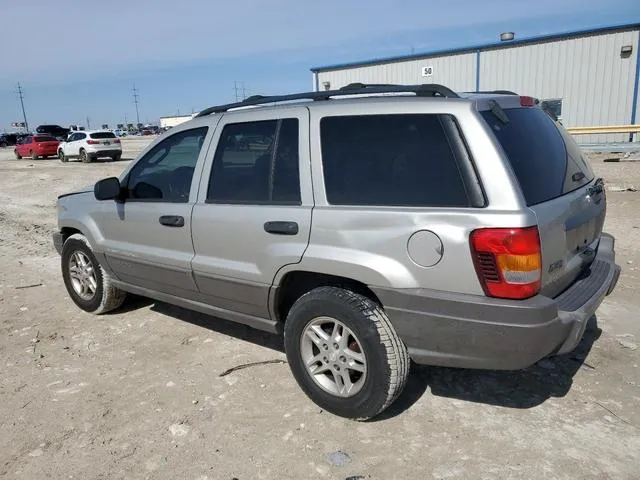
x=136 y=101
x=24 y=115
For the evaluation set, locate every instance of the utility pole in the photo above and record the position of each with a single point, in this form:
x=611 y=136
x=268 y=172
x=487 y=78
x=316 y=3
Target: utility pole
x=241 y=91
x=135 y=100
x=88 y=123
x=24 y=115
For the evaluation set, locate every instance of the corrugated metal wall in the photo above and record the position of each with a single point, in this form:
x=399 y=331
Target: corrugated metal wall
x=587 y=73
x=457 y=72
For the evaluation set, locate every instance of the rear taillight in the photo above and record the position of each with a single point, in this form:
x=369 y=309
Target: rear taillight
x=93 y=142
x=508 y=261
x=527 y=102
x=117 y=140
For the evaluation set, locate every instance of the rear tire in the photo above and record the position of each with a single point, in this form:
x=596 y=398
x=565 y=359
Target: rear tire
x=87 y=283
x=371 y=345
x=63 y=158
x=117 y=157
x=84 y=157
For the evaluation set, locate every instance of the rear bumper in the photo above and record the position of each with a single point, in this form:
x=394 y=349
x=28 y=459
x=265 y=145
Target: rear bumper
x=104 y=152
x=47 y=151
x=470 y=331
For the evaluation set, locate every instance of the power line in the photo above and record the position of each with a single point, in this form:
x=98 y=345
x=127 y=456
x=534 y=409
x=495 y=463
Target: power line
x=24 y=115
x=135 y=100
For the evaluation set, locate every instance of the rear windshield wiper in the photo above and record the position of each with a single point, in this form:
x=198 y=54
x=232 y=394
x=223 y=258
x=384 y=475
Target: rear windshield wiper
x=498 y=112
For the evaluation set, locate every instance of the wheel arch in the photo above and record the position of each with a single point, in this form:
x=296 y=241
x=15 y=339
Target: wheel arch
x=68 y=231
x=295 y=283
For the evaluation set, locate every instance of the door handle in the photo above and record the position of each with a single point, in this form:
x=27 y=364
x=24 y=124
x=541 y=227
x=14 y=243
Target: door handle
x=281 y=228
x=172 y=221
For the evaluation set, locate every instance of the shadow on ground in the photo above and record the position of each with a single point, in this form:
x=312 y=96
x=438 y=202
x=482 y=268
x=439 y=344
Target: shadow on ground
x=225 y=327
x=550 y=377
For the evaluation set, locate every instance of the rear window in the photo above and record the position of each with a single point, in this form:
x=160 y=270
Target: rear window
x=394 y=160
x=44 y=138
x=101 y=135
x=545 y=158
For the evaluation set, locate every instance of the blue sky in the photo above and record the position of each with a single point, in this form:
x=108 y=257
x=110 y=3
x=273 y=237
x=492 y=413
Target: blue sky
x=78 y=59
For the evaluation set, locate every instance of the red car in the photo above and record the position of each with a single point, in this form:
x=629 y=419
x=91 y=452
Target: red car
x=37 y=146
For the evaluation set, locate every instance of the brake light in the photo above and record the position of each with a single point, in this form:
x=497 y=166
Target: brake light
x=527 y=102
x=117 y=140
x=508 y=261
x=93 y=142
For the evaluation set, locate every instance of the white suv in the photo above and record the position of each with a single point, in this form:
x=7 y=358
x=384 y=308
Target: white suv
x=90 y=145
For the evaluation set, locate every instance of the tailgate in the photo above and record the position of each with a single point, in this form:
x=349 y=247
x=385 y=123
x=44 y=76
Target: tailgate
x=104 y=140
x=558 y=186
x=46 y=142
x=570 y=228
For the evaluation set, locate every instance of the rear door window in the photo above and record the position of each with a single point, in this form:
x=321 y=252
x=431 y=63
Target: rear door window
x=257 y=163
x=545 y=159
x=412 y=160
x=45 y=138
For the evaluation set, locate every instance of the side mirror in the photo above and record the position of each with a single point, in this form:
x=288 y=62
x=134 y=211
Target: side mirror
x=107 y=189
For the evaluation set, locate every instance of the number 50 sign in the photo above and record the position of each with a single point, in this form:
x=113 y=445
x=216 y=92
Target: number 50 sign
x=427 y=71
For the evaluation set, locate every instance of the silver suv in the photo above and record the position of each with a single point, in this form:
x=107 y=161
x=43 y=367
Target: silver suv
x=372 y=225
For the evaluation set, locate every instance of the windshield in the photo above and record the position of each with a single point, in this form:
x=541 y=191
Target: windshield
x=44 y=138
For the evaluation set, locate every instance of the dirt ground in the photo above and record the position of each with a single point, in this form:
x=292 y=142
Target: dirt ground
x=139 y=393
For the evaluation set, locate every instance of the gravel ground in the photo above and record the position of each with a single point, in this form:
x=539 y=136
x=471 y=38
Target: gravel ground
x=139 y=393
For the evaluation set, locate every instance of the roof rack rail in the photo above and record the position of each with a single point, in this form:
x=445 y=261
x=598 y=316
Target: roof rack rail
x=497 y=92
x=422 y=90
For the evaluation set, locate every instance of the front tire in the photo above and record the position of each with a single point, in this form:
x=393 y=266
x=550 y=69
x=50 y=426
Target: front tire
x=63 y=158
x=87 y=283
x=18 y=156
x=344 y=353
x=34 y=156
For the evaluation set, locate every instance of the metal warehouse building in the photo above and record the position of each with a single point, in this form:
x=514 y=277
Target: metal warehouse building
x=587 y=78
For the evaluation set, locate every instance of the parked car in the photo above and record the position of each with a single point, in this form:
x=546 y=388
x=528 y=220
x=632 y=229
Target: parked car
x=90 y=145
x=37 y=146
x=462 y=230
x=21 y=136
x=8 y=139
x=54 y=130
